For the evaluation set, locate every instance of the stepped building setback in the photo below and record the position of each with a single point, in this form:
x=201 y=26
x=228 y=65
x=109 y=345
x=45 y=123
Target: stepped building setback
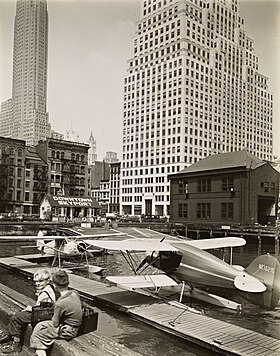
x=193 y=89
x=24 y=116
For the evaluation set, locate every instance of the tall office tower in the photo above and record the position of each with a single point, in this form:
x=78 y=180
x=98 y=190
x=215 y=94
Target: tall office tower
x=92 y=155
x=29 y=93
x=192 y=89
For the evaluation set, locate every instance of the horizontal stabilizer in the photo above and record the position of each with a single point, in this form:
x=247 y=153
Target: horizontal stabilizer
x=147 y=281
x=239 y=268
x=247 y=283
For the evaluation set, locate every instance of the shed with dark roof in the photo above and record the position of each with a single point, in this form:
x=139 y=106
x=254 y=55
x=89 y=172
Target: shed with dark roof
x=228 y=188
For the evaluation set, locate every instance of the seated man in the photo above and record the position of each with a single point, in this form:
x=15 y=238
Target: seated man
x=19 y=321
x=66 y=319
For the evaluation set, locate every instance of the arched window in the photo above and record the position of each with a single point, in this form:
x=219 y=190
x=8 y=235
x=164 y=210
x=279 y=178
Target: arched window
x=57 y=154
x=82 y=158
x=78 y=157
x=82 y=193
x=73 y=156
x=53 y=154
x=62 y=155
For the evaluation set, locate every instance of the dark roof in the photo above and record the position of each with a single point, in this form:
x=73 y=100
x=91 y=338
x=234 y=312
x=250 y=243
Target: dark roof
x=235 y=159
x=32 y=155
x=75 y=202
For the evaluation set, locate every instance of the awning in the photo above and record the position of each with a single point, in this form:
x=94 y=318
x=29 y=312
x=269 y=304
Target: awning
x=74 y=202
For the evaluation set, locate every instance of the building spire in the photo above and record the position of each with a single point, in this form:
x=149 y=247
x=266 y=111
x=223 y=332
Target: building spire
x=92 y=156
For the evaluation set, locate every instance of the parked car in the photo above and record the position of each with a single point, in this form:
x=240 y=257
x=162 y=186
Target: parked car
x=150 y=218
x=130 y=218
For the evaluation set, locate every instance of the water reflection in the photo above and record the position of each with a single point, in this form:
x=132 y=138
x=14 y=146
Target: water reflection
x=144 y=339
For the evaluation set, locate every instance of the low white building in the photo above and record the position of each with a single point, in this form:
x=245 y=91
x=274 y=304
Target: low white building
x=59 y=207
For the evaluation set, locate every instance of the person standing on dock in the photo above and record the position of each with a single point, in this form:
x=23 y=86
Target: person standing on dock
x=18 y=322
x=67 y=317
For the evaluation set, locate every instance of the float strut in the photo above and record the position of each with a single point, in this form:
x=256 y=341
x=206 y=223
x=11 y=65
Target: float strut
x=182 y=292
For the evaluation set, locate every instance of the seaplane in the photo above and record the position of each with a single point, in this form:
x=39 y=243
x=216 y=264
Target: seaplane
x=186 y=263
x=65 y=243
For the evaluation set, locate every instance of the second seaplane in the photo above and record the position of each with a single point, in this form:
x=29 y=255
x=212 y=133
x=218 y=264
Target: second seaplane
x=187 y=263
x=65 y=243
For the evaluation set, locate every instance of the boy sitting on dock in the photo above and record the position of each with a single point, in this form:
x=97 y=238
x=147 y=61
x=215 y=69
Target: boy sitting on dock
x=67 y=317
x=19 y=321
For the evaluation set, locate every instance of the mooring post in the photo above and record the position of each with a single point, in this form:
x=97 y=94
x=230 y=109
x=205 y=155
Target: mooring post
x=260 y=244
x=277 y=243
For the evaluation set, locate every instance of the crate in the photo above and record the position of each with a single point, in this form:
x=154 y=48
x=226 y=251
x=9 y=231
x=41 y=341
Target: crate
x=89 y=321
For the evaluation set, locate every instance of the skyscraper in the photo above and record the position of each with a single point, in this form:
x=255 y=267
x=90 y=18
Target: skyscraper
x=193 y=88
x=92 y=155
x=27 y=118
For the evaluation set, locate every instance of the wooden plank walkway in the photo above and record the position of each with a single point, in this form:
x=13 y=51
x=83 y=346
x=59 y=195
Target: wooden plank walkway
x=202 y=330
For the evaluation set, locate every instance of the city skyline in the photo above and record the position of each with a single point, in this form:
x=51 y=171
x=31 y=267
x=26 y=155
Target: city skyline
x=87 y=62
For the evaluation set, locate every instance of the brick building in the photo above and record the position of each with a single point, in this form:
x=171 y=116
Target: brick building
x=35 y=183
x=22 y=177
x=229 y=188
x=67 y=166
x=115 y=171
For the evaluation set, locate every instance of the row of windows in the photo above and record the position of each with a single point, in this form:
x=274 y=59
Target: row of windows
x=204 y=185
x=72 y=192
x=74 y=157
x=68 y=168
x=203 y=211
x=139 y=199
x=227 y=185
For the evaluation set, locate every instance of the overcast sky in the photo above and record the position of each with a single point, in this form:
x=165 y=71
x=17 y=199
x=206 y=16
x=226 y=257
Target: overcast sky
x=89 y=45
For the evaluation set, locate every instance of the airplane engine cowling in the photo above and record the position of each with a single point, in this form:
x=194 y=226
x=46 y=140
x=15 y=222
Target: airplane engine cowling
x=81 y=247
x=75 y=248
x=166 y=261
x=70 y=248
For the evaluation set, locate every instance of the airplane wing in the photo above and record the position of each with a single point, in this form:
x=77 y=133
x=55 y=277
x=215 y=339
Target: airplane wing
x=166 y=245
x=220 y=242
x=133 y=245
x=99 y=236
x=55 y=237
x=143 y=281
x=203 y=244
x=31 y=238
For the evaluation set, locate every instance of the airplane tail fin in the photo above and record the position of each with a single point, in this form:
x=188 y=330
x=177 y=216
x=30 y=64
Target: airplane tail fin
x=266 y=269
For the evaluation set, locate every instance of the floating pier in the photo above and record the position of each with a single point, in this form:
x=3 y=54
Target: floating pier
x=209 y=333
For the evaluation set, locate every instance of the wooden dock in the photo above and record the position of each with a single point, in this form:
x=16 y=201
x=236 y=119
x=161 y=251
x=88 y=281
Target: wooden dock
x=212 y=334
